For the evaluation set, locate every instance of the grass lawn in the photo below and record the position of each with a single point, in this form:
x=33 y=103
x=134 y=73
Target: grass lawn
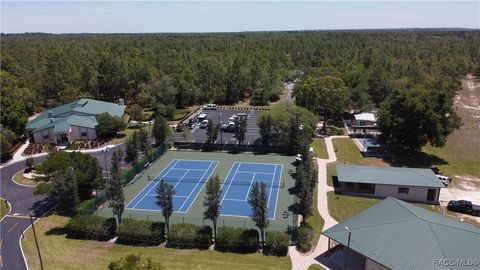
x=319 y=148
x=316 y=221
x=3 y=208
x=331 y=172
x=58 y=252
x=19 y=178
x=347 y=152
x=342 y=207
x=122 y=136
x=315 y=267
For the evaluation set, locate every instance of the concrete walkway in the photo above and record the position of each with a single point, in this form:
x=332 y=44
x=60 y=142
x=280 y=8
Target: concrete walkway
x=303 y=261
x=19 y=157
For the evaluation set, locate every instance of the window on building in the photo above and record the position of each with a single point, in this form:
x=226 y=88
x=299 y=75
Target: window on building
x=83 y=134
x=403 y=190
x=46 y=137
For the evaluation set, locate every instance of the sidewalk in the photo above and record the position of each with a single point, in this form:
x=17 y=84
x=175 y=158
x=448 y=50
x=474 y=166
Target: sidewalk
x=19 y=157
x=299 y=260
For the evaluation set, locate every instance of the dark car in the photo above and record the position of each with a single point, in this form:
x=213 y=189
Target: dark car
x=462 y=206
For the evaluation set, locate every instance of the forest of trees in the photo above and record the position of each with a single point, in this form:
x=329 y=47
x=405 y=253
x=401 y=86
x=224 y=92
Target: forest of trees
x=43 y=70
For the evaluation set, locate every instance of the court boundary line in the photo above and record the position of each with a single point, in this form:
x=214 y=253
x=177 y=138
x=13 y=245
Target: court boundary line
x=278 y=189
x=271 y=187
x=249 y=187
x=230 y=184
x=198 y=193
x=216 y=162
x=133 y=207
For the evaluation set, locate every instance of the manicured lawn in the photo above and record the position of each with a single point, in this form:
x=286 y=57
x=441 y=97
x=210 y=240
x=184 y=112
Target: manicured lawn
x=19 y=178
x=347 y=152
x=124 y=135
x=342 y=207
x=316 y=220
x=331 y=172
x=3 y=208
x=315 y=267
x=319 y=148
x=58 y=252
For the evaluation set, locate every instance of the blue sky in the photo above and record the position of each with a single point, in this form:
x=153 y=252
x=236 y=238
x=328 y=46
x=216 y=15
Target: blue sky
x=216 y=16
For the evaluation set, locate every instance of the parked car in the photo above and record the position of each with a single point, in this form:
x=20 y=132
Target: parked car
x=242 y=115
x=230 y=127
x=204 y=124
x=445 y=180
x=462 y=206
x=210 y=107
x=232 y=118
x=202 y=117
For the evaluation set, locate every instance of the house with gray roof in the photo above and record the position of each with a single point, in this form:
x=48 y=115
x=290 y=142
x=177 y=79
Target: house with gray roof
x=394 y=234
x=410 y=184
x=71 y=122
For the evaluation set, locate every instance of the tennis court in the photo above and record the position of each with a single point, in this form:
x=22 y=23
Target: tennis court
x=188 y=178
x=239 y=181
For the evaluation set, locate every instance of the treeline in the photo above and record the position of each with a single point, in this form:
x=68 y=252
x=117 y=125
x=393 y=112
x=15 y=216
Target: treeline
x=42 y=70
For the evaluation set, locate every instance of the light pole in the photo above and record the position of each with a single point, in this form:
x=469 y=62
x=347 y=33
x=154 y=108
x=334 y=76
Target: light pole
x=220 y=126
x=348 y=247
x=104 y=151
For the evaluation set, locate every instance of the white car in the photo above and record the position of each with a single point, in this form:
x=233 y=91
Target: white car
x=204 y=124
x=210 y=107
x=232 y=118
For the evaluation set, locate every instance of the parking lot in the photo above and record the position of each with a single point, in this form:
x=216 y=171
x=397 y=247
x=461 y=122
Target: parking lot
x=199 y=135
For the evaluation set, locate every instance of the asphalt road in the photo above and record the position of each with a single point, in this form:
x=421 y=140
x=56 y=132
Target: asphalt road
x=199 y=135
x=25 y=203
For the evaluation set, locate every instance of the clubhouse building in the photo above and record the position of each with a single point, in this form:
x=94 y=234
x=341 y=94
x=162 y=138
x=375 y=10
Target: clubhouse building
x=71 y=122
x=394 y=234
x=409 y=184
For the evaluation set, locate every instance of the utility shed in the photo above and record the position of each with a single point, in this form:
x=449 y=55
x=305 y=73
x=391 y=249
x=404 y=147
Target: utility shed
x=410 y=184
x=394 y=234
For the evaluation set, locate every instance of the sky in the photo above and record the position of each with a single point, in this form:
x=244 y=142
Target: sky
x=232 y=16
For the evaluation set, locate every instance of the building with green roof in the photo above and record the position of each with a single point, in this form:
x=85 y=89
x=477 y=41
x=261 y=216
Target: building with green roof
x=72 y=121
x=410 y=184
x=394 y=234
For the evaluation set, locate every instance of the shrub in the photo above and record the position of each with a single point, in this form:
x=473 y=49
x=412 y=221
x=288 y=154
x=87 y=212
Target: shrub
x=237 y=239
x=43 y=188
x=189 y=236
x=141 y=232
x=276 y=243
x=91 y=227
x=305 y=236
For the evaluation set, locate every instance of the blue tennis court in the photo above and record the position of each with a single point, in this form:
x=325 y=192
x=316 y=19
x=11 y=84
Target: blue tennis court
x=237 y=185
x=188 y=178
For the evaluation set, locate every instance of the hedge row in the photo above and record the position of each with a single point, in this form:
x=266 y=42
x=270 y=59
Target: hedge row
x=189 y=236
x=91 y=227
x=305 y=237
x=237 y=239
x=146 y=233
x=141 y=232
x=276 y=243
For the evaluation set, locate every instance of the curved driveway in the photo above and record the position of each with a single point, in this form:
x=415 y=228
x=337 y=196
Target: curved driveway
x=24 y=203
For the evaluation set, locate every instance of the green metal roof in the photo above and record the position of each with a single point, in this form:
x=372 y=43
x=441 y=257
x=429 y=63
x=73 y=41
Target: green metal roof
x=400 y=235
x=388 y=176
x=80 y=108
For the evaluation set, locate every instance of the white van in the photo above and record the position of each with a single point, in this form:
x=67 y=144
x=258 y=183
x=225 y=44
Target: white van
x=445 y=180
x=202 y=117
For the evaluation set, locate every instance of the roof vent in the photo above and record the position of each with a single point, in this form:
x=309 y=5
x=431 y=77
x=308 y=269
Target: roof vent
x=121 y=102
x=50 y=114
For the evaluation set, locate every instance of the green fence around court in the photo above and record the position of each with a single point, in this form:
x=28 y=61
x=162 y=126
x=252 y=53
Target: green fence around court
x=141 y=165
x=88 y=207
